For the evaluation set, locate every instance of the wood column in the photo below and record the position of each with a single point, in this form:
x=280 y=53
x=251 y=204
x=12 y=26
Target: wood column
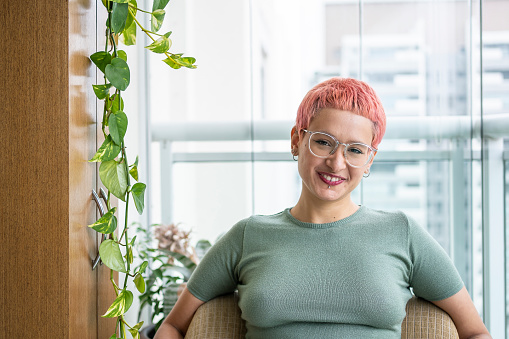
x=48 y=125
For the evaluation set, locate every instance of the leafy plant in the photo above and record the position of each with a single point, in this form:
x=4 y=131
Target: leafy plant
x=172 y=260
x=114 y=171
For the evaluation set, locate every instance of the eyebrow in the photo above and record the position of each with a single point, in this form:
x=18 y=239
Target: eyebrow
x=346 y=142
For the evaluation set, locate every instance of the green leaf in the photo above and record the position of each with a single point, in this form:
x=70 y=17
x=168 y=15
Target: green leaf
x=117 y=124
x=121 y=304
x=202 y=247
x=134 y=333
x=159 y=4
x=134 y=169
x=132 y=13
x=139 y=325
x=120 y=1
x=158 y=273
x=111 y=255
x=135 y=330
x=188 y=265
x=108 y=151
x=101 y=60
x=122 y=55
x=139 y=282
x=138 y=192
x=171 y=62
x=134 y=172
x=170 y=297
x=107 y=223
x=119 y=16
x=143 y=267
x=101 y=91
x=161 y=45
x=129 y=257
x=114 y=104
x=113 y=176
x=117 y=72
x=157 y=18
x=128 y=36
x=186 y=62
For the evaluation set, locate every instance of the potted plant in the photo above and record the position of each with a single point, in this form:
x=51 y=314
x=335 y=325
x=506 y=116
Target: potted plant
x=116 y=173
x=168 y=262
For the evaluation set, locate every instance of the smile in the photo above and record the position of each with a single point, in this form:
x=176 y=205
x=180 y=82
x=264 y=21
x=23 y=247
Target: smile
x=331 y=180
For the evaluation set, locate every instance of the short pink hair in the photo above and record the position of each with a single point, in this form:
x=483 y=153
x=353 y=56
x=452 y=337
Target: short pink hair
x=345 y=94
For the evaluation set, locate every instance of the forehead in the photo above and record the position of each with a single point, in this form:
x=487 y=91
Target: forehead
x=344 y=125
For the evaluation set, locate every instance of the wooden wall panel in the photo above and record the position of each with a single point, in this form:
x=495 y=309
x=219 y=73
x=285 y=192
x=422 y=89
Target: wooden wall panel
x=48 y=126
x=34 y=123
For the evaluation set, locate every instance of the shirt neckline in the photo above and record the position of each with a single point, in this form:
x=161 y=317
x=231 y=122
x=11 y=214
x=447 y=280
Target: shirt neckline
x=336 y=223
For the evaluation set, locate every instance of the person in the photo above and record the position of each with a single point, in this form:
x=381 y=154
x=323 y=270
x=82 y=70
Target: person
x=328 y=268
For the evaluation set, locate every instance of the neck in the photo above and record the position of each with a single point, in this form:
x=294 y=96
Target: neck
x=323 y=212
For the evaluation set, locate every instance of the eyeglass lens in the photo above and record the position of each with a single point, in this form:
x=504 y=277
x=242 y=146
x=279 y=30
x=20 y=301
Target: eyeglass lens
x=323 y=145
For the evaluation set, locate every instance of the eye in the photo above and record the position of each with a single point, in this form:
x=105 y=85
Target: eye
x=323 y=142
x=357 y=149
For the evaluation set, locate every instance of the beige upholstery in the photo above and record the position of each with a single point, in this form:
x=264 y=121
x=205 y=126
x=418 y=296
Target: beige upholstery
x=425 y=320
x=220 y=319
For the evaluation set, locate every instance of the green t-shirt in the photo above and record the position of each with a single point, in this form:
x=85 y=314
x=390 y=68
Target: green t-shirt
x=346 y=279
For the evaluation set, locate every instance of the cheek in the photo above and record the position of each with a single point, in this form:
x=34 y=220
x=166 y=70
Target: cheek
x=306 y=164
x=357 y=173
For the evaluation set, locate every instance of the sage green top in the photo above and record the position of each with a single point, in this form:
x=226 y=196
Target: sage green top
x=346 y=279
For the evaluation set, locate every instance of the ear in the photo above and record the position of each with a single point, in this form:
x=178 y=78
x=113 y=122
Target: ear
x=368 y=166
x=295 y=138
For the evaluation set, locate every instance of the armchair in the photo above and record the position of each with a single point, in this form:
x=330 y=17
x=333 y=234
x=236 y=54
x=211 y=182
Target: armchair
x=220 y=319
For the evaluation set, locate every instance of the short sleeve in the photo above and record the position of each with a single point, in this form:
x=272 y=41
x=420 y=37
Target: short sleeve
x=217 y=273
x=434 y=276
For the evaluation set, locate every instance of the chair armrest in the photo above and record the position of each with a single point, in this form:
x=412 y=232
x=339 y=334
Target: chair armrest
x=219 y=318
x=426 y=320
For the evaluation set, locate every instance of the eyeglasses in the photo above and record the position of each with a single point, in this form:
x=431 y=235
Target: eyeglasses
x=323 y=145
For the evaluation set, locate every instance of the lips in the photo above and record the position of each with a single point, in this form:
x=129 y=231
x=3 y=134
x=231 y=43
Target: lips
x=331 y=180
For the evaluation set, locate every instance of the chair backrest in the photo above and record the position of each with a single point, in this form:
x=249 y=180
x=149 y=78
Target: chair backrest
x=220 y=319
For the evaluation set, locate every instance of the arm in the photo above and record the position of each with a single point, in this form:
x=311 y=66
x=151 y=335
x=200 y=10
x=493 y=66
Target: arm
x=177 y=322
x=462 y=311
x=214 y=276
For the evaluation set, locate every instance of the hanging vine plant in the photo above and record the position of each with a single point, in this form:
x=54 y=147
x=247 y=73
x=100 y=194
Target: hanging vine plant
x=114 y=171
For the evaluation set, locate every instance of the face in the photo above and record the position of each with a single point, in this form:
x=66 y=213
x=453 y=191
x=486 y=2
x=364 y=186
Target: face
x=319 y=173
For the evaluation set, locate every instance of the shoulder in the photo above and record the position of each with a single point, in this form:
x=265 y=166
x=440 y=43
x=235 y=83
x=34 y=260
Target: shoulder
x=259 y=220
x=254 y=222
x=396 y=224
x=389 y=218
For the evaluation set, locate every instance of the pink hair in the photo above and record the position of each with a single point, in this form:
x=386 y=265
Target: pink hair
x=345 y=94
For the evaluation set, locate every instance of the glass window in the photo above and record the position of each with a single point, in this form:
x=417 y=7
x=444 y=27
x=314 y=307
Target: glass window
x=221 y=133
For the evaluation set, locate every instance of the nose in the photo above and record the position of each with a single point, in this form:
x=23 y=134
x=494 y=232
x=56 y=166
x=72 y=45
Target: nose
x=337 y=161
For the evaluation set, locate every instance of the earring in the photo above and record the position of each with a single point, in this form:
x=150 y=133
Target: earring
x=366 y=174
x=295 y=156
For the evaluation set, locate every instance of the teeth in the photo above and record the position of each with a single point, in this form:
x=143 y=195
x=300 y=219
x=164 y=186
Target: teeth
x=330 y=178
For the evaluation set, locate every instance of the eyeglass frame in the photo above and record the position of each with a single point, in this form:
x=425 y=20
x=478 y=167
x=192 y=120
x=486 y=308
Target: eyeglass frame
x=372 y=154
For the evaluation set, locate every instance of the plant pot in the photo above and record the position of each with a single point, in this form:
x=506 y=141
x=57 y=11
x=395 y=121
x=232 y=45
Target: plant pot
x=148 y=332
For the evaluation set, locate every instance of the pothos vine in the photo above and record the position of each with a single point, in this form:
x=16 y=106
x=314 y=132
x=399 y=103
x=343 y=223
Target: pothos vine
x=114 y=171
